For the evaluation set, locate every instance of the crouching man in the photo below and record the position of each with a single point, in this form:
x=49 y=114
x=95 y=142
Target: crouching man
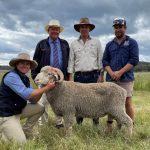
x=18 y=100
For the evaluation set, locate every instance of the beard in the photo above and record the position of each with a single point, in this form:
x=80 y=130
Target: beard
x=119 y=35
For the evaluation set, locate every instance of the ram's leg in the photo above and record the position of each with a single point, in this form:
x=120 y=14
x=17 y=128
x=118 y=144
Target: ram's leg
x=59 y=122
x=123 y=119
x=110 y=123
x=68 y=123
x=127 y=121
x=95 y=121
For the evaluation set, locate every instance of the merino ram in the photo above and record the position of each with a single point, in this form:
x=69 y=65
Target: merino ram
x=93 y=100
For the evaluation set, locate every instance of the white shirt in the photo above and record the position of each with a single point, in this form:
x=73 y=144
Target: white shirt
x=85 y=56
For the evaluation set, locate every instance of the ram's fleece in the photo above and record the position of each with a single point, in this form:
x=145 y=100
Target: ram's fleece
x=93 y=100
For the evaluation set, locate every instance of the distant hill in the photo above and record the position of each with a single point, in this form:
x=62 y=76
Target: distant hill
x=5 y=67
x=142 y=66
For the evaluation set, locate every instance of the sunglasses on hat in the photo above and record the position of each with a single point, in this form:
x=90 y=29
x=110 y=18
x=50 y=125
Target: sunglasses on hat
x=119 y=21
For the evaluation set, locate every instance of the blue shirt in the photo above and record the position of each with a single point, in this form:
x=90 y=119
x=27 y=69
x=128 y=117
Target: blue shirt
x=13 y=81
x=118 y=55
x=52 y=51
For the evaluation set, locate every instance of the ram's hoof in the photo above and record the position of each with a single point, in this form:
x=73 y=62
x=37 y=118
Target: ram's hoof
x=58 y=126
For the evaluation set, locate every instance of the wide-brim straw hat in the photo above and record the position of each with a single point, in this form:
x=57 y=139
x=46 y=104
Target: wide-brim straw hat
x=54 y=23
x=84 y=21
x=23 y=57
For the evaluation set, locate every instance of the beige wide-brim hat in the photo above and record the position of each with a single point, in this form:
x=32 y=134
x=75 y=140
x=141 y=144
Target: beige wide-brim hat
x=23 y=57
x=84 y=21
x=54 y=23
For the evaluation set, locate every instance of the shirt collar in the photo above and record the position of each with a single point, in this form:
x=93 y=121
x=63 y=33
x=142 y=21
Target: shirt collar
x=125 y=38
x=89 y=38
x=51 y=41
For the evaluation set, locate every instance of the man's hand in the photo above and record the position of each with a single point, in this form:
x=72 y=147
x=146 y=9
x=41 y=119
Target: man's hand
x=71 y=77
x=100 y=78
x=117 y=75
x=112 y=74
x=50 y=84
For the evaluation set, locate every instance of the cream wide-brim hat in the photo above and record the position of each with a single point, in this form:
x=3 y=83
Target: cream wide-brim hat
x=23 y=57
x=54 y=23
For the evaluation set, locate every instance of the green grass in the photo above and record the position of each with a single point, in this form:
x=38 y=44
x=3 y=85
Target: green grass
x=142 y=81
x=86 y=137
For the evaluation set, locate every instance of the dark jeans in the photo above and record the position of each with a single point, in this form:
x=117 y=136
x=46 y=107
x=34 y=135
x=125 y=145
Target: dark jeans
x=86 y=77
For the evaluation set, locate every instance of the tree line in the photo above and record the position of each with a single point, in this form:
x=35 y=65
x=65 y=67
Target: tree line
x=142 y=67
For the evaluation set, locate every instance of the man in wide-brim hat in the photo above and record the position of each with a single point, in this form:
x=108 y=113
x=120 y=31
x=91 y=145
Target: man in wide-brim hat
x=18 y=100
x=52 y=51
x=23 y=57
x=54 y=23
x=85 y=58
x=46 y=49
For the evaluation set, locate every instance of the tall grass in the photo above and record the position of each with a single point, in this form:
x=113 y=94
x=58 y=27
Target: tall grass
x=87 y=137
x=142 y=81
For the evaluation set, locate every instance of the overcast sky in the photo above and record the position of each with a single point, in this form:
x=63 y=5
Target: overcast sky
x=22 y=22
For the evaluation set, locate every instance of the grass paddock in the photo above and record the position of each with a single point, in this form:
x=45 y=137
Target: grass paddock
x=87 y=137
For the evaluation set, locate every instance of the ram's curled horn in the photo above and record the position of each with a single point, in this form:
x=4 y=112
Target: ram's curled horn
x=45 y=69
x=58 y=72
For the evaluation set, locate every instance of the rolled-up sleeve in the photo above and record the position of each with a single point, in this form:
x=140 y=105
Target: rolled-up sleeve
x=71 y=60
x=14 y=82
x=134 y=53
x=100 y=54
x=106 y=57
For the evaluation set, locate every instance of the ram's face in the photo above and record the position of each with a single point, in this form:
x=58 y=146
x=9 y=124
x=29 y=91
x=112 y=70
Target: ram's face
x=48 y=73
x=42 y=78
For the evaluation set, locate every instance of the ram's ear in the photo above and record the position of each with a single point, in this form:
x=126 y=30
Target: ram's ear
x=58 y=72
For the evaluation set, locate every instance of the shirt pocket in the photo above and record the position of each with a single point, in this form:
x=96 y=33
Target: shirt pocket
x=78 y=53
x=125 y=52
x=113 y=52
x=93 y=50
x=44 y=48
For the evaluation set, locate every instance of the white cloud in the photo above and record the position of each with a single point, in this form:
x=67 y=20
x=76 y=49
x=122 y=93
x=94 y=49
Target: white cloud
x=22 y=22
x=144 y=58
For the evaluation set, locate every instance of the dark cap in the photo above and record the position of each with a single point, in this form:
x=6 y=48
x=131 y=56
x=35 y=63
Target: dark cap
x=119 y=21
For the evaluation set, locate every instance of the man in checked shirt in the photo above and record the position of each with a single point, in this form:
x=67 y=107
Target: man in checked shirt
x=120 y=56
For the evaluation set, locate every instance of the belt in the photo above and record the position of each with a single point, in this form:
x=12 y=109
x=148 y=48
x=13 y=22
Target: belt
x=86 y=72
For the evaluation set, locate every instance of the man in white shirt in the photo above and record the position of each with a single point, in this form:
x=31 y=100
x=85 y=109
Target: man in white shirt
x=85 y=59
